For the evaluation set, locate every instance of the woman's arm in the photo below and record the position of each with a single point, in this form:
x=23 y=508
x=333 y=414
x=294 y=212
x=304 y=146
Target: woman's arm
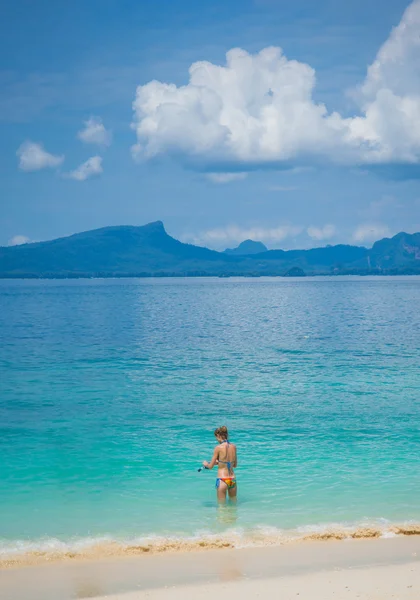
x=214 y=460
x=235 y=460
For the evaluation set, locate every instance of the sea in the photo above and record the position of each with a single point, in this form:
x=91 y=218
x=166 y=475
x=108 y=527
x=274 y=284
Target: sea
x=110 y=390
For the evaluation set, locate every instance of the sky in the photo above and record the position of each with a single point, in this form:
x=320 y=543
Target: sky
x=293 y=123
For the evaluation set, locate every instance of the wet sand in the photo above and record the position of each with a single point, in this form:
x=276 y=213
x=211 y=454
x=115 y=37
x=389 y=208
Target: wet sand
x=315 y=570
x=113 y=549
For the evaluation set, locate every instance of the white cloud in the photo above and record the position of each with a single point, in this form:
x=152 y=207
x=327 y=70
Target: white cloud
x=222 y=236
x=259 y=110
x=33 y=157
x=256 y=109
x=18 y=240
x=225 y=177
x=95 y=133
x=321 y=233
x=370 y=232
x=390 y=97
x=93 y=166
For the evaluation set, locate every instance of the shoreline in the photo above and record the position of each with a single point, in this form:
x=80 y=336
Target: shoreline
x=307 y=276
x=53 y=552
x=245 y=571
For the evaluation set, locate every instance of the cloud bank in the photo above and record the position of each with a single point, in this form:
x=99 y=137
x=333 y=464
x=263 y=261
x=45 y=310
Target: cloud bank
x=93 y=166
x=33 y=157
x=370 y=232
x=321 y=233
x=95 y=133
x=258 y=110
x=221 y=236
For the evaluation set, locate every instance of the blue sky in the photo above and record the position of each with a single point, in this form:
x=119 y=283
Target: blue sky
x=250 y=156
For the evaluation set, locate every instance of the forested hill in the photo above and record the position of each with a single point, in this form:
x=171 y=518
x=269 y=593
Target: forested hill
x=149 y=251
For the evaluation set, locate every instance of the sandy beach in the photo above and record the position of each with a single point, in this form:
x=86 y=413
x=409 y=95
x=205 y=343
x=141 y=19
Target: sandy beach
x=364 y=569
x=399 y=582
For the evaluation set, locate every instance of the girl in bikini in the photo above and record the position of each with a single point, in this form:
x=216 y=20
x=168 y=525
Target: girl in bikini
x=224 y=457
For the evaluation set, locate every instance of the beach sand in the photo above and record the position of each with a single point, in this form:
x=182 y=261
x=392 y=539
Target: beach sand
x=364 y=569
x=400 y=582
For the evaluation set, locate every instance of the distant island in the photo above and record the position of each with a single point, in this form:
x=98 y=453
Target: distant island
x=148 y=251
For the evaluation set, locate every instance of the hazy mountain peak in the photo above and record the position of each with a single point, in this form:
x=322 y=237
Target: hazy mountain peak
x=247 y=247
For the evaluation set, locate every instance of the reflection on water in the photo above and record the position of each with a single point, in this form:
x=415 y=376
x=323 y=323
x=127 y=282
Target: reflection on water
x=227 y=513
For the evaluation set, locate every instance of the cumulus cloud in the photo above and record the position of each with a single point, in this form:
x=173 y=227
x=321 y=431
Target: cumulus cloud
x=93 y=166
x=370 y=232
x=390 y=97
x=321 y=233
x=225 y=177
x=18 y=240
x=258 y=110
x=33 y=157
x=94 y=132
x=220 y=237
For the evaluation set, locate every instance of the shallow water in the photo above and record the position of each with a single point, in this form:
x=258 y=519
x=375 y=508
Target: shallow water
x=110 y=391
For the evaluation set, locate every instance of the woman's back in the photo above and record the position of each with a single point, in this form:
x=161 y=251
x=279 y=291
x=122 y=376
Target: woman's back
x=226 y=459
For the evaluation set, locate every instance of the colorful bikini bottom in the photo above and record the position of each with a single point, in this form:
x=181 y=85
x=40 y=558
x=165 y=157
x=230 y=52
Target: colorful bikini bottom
x=230 y=482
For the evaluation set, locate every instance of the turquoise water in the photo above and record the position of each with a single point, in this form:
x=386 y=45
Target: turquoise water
x=110 y=391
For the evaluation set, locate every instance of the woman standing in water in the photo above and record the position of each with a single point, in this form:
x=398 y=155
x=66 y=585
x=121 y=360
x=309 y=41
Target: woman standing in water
x=224 y=456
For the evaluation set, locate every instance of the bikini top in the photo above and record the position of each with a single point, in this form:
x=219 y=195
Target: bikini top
x=228 y=463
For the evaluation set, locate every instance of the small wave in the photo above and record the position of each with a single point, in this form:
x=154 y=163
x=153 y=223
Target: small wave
x=50 y=550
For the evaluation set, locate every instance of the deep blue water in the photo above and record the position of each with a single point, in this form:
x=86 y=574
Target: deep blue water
x=110 y=391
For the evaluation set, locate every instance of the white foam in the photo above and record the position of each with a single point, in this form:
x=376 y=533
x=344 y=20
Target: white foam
x=260 y=535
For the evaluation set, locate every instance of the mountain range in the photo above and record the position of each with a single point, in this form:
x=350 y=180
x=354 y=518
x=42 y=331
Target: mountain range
x=131 y=251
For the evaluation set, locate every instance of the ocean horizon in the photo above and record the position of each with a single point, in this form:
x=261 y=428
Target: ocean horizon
x=110 y=391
